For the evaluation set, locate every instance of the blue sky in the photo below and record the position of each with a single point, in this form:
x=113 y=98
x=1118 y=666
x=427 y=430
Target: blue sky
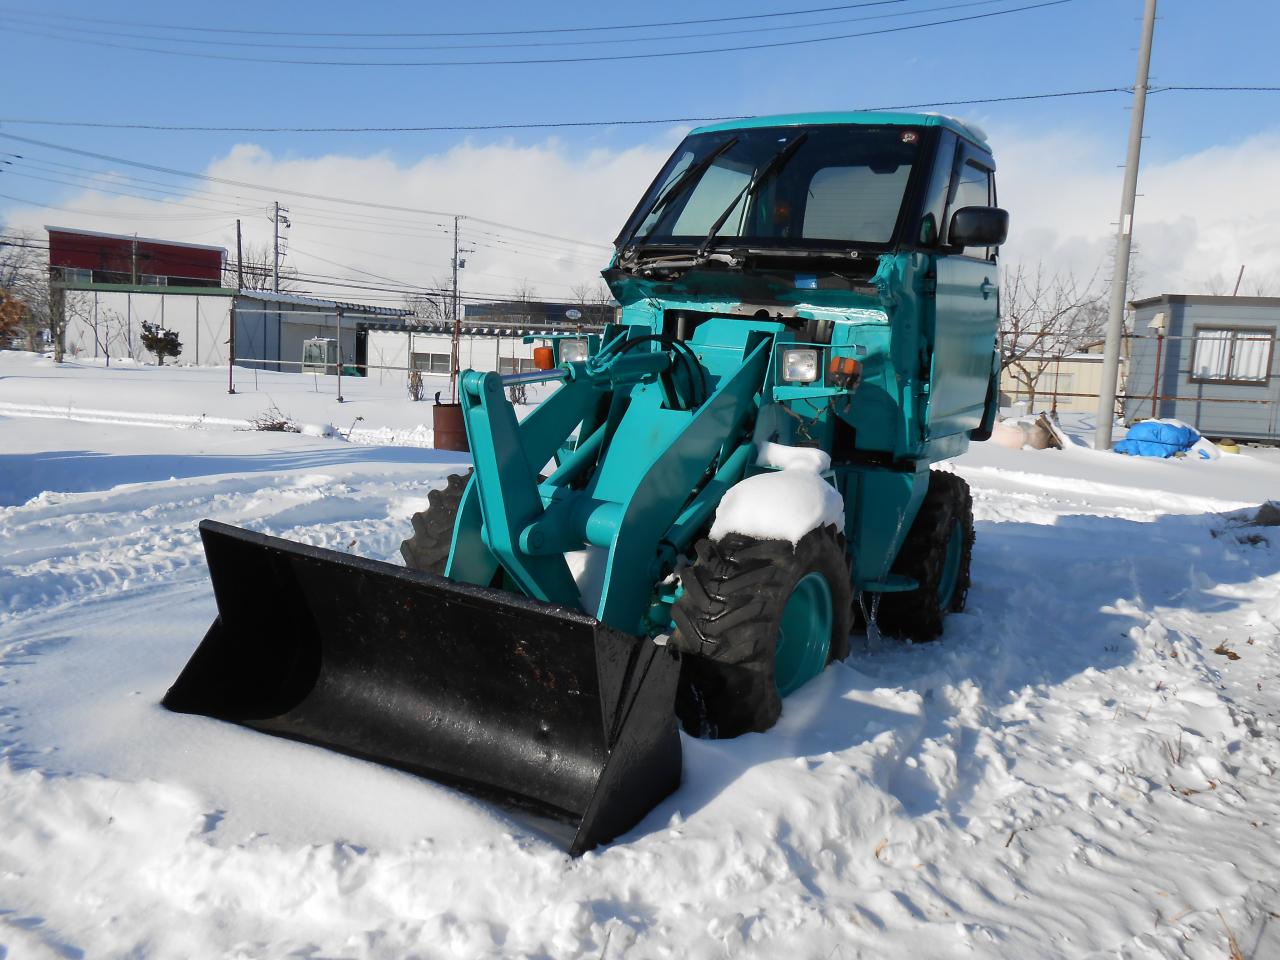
x=1075 y=45
x=1047 y=148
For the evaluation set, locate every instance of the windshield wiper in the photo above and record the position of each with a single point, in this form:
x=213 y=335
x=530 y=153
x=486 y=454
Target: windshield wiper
x=677 y=261
x=776 y=163
x=684 y=180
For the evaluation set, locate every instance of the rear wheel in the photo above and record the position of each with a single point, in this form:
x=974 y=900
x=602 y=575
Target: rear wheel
x=760 y=619
x=936 y=554
x=428 y=548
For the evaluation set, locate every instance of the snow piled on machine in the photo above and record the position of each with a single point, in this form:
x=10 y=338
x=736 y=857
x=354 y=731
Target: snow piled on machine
x=786 y=501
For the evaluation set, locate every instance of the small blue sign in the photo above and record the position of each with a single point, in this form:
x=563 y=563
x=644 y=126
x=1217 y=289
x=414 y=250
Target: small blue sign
x=806 y=281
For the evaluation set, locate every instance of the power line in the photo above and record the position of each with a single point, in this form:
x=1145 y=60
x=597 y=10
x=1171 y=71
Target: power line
x=660 y=54
x=62 y=30
x=552 y=125
x=469 y=33
x=1232 y=89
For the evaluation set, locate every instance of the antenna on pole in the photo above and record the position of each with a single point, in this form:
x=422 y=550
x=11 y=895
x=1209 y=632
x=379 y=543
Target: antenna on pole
x=1124 y=239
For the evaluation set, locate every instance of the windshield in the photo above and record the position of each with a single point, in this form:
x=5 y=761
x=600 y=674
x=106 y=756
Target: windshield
x=841 y=184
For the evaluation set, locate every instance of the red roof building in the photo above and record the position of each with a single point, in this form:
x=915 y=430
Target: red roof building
x=84 y=256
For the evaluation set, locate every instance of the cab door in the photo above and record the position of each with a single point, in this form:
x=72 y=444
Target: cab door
x=966 y=309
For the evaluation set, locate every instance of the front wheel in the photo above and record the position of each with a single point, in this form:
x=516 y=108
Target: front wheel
x=760 y=619
x=936 y=555
x=428 y=548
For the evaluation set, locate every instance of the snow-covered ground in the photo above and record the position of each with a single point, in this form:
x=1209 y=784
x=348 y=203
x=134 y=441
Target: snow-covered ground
x=1085 y=765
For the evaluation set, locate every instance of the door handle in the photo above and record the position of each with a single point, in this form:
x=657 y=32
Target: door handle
x=987 y=288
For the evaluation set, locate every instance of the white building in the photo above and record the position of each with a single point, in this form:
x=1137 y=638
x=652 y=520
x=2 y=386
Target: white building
x=270 y=327
x=483 y=345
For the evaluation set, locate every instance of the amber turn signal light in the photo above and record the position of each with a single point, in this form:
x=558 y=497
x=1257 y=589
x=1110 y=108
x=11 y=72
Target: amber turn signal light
x=846 y=367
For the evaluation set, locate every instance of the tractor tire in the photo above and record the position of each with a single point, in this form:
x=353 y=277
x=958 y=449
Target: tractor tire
x=741 y=656
x=936 y=554
x=428 y=548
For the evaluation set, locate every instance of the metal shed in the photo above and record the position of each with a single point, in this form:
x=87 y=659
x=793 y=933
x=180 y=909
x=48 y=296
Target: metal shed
x=272 y=327
x=1209 y=361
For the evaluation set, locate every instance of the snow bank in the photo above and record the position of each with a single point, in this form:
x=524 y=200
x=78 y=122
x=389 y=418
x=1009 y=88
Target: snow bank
x=784 y=503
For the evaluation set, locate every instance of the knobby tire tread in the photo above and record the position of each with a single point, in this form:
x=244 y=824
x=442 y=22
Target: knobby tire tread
x=727 y=625
x=917 y=615
x=428 y=549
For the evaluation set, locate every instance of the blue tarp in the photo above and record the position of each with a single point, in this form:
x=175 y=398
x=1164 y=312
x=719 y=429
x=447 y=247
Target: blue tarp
x=1157 y=438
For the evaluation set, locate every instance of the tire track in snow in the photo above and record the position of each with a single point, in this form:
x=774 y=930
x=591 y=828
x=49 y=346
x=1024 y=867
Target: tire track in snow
x=62 y=548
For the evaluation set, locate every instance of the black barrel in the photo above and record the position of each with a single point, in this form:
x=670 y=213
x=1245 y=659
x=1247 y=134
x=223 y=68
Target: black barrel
x=536 y=707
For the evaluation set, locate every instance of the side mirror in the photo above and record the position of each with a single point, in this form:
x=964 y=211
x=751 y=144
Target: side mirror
x=979 y=227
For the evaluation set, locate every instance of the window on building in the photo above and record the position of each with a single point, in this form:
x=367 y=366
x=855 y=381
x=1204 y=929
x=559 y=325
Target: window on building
x=153 y=280
x=1235 y=355
x=1057 y=382
x=515 y=365
x=431 y=362
x=77 y=275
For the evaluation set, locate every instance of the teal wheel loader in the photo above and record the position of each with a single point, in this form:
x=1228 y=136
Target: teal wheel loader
x=818 y=289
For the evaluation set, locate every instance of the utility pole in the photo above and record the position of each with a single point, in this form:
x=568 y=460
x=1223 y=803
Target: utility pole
x=275 y=256
x=1124 y=239
x=239 y=259
x=457 y=322
x=231 y=314
x=277 y=218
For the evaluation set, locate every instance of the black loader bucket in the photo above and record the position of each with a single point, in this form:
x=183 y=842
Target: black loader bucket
x=541 y=709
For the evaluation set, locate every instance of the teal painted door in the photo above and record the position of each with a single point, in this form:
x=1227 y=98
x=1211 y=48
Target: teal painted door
x=966 y=315
x=967 y=308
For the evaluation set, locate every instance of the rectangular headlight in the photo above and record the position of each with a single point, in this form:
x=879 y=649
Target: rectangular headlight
x=800 y=366
x=572 y=351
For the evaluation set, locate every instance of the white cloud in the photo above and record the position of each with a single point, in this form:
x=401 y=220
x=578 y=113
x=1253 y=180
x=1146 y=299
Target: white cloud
x=1197 y=216
x=1200 y=215
x=548 y=187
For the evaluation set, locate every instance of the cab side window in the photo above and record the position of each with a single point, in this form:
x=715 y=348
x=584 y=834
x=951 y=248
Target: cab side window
x=936 y=194
x=973 y=186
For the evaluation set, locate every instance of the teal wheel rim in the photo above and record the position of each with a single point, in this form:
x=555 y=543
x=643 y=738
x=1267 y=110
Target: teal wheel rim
x=951 y=566
x=804 y=634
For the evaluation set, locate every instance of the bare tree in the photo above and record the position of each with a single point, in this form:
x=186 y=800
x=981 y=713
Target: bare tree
x=593 y=299
x=433 y=303
x=256 y=262
x=24 y=286
x=1216 y=285
x=1265 y=287
x=12 y=313
x=1249 y=286
x=522 y=299
x=1043 y=318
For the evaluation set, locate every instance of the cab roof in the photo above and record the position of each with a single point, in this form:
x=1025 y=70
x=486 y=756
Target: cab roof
x=869 y=118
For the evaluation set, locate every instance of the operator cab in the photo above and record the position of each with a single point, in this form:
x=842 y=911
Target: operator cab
x=818 y=202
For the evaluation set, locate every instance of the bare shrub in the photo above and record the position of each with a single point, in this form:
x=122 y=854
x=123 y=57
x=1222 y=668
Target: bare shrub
x=275 y=420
